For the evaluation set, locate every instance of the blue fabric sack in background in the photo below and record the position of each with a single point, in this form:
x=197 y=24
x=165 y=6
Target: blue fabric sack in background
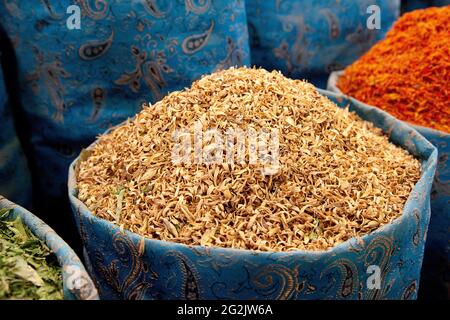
x=15 y=182
x=308 y=39
x=71 y=85
x=436 y=266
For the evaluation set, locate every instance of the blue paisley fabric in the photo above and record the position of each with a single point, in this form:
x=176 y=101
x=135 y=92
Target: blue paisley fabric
x=74 y=272
x=74 y=84
x=127 y=266
x=15 y=180
x=436 y=269
x=309 y=39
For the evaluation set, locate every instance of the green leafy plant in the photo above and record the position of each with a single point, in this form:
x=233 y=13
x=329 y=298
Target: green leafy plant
x=28 y=269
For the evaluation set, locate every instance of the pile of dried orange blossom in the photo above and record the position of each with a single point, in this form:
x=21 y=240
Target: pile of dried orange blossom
x=338 y=176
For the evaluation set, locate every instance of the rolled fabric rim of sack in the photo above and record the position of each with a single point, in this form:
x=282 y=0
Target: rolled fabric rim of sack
x=128 y=266
x=77 y=284
x=436 y=271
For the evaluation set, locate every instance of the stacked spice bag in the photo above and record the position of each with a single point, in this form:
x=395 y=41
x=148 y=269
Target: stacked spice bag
x=408 y=75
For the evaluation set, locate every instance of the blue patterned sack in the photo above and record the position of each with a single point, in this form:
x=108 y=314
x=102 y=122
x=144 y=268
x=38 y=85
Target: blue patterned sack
x=74 y=84
x=14 y=175
x=128 y=266
x=436 y=269
x=73 y=270
x=309 y=39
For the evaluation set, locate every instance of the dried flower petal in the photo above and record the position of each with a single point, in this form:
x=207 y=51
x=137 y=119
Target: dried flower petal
x=338 y=176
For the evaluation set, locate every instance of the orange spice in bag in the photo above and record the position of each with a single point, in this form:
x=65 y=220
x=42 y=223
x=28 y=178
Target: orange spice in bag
x=408 y=73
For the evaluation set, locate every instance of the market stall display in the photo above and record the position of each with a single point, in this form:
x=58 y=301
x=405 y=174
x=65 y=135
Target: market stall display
x=195 y=173
x=308 y=39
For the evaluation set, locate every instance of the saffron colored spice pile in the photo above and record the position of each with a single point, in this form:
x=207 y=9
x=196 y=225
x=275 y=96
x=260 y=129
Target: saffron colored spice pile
x=408 y=73
x=338 y=176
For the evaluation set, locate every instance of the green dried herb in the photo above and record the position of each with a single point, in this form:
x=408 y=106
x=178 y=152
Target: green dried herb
x=28 y=269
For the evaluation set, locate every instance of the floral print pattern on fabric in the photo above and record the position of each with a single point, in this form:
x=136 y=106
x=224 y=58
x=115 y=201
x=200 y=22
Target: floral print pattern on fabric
x=74 y=84
x=309 y=39
x=126 y=266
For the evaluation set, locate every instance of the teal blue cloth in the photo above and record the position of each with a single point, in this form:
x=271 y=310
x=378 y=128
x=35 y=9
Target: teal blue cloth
x=309 y=39
x=127 y=266
x=436 y=267
x=77 y=285
x=15 y=180
x=436 y=270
